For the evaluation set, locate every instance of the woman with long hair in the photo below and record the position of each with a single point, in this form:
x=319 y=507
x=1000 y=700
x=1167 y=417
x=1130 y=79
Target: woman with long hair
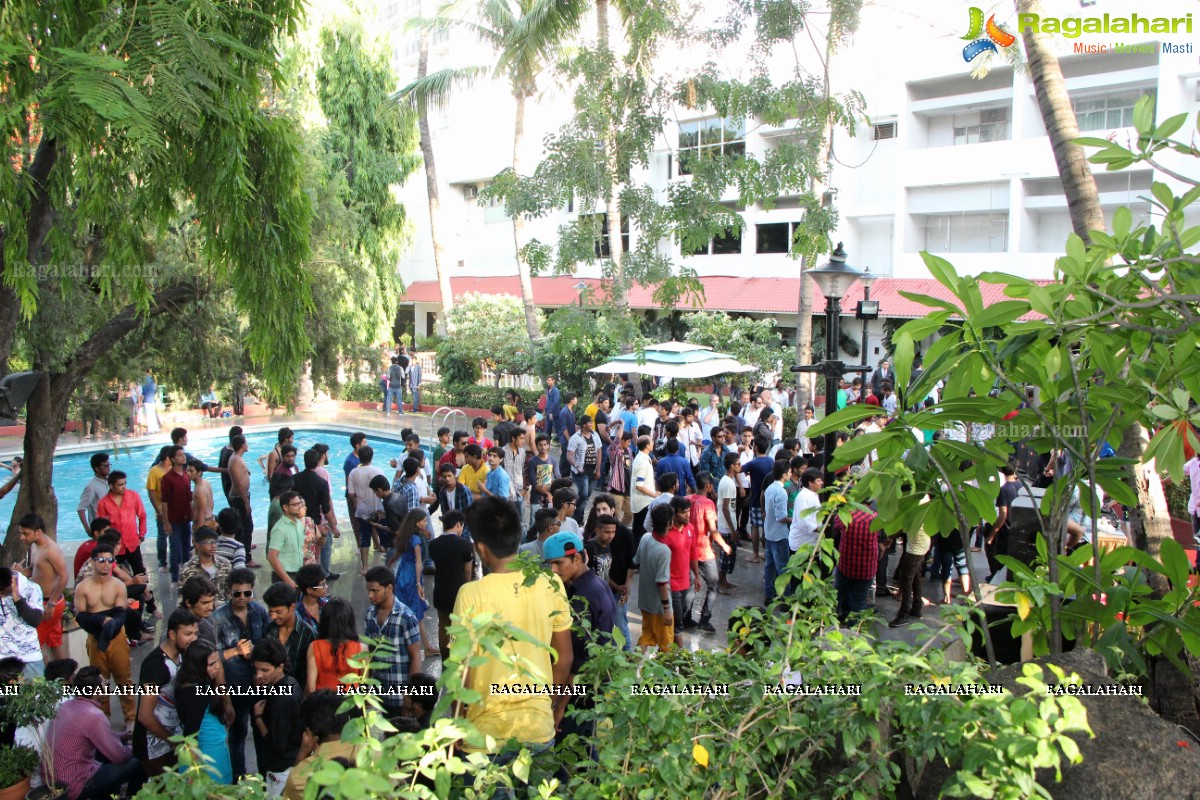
x=407 y=561
x=202 y=713
x=337 y=640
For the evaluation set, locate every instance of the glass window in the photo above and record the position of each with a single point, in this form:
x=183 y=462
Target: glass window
x=989 y=125
x=602 y=248
x=772 y=237
x=729 y=244
x=1108 y=111
x=709 y=138
x=966 y=233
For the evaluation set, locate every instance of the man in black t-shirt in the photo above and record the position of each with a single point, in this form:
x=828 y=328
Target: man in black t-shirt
x=504 y=429
x=454 y=564
x=276 y=720
x=613 y=547
x=157 y=720
x=997 y=540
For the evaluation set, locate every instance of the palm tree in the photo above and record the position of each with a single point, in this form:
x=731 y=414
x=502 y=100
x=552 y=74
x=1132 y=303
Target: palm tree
x=526 y=35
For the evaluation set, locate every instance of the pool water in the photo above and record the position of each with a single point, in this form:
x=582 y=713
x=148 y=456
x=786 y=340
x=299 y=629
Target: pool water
x=73 y=471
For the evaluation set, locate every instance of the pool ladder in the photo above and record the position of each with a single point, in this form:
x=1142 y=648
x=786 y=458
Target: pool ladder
x=447 y=413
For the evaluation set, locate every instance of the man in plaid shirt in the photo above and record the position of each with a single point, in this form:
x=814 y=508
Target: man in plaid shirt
x=393 y=622
x=858 y=555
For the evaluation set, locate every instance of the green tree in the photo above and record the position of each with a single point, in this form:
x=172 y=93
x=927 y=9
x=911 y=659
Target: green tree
x=576 y=340
x=114 y=114
x=490 y=329
x=755 y=342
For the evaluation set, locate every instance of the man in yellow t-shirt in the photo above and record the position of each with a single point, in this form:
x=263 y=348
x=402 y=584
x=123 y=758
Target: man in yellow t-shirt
x=474 y=471
x=514 y=704
x=153 y=486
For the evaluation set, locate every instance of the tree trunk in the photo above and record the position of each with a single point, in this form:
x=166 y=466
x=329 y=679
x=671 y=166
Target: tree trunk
x=518 y=224
x=618 y=291
x=1083 y=200
x=431 y=189
x=1150 y=521
x=47 y=409
x=804 y=394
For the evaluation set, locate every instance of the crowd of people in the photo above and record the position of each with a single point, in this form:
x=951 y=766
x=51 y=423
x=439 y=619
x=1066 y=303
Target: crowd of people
x=671 y=495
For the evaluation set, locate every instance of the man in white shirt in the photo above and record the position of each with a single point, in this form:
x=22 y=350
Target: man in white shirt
x=691 y=440
x=21 y=610
x=366 y=502
x=805 y=527
x=641 y=482
x=727 y=515
x=806 y=421
x=648 y=414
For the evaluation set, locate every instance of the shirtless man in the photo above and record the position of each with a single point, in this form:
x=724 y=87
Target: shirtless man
x=48 y=570
x=273 y=458
x=239 y=494
x=202 y=495
x=104 y=593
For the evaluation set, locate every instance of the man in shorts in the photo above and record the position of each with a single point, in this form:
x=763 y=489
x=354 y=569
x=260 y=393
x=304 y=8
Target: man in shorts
x=47 y=568
x=653 y=560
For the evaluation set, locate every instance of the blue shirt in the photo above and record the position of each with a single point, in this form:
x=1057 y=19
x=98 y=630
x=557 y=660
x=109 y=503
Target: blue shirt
x=499 y=483
x=350 y=463
x=681 y=467
x=553 y=400
x=776 y=500
x=630 y=420
x=566 y=422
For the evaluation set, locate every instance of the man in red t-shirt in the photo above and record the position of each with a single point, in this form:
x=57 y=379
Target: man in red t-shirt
x=703 y=519
x=685 y=572
x=176 y=495
x=455 y=455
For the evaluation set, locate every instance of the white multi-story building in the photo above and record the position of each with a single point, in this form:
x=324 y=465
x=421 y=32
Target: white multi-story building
x=949 y=163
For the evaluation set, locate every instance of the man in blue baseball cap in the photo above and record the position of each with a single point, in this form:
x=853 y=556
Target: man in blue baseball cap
x=591 y=599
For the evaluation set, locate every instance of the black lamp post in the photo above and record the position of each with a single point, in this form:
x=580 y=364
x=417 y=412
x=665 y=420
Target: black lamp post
x=833 y=279
x=866 y=310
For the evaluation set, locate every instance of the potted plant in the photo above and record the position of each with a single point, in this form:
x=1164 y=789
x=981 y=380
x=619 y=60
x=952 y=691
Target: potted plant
x=17 y=765
x=31 y=708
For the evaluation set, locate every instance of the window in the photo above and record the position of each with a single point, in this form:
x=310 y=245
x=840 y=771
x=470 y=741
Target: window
x=710 y=137
x=989 y=125
x=602 y=248
x=884 y=130
x=773 y=237
x=1107 y=111
x=966 y=233
x=724 y=245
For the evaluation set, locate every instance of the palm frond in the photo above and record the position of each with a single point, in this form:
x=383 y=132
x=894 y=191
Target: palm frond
x=435 y=89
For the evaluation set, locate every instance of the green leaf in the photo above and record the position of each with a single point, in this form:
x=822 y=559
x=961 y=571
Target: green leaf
x=1090 y=141
x=1169 y=126
x=1163 y=194
x=903 y=358
x=942 y=271
x=1000 y=314
x=1143 y=114
x=1175 y=561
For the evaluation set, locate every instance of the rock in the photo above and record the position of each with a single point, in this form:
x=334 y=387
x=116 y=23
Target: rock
x=1135 y=753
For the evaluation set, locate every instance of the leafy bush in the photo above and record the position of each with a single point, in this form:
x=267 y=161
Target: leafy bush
x=471 y=395
x=16 y=764
x=455 y=363
x=576 y=339
x=360 y=392
x=1177 y=498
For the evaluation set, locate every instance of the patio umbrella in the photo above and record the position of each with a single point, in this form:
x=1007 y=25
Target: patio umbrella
x=674 y=360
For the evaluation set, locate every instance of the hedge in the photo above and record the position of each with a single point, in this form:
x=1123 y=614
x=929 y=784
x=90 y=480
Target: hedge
x=461 y=395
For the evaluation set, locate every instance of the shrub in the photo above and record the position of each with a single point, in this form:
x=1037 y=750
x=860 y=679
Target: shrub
x=455 y=364
x=360 y=392
x=471 y=395
x=16 y=764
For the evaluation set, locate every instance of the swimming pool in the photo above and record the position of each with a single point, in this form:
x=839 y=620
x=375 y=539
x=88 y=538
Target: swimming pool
x=72 y=471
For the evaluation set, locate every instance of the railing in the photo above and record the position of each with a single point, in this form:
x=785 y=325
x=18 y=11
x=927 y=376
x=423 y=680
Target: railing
x=447 y=413
x=429 y=372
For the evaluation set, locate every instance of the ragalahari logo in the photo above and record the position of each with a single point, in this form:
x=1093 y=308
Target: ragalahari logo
x=982 y=44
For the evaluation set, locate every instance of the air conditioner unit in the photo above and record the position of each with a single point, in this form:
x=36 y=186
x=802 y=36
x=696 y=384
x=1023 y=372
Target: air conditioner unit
x=471 y=191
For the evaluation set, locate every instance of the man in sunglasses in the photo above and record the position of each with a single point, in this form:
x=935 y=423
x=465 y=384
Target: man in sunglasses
x=103 y=595
x=241 y=624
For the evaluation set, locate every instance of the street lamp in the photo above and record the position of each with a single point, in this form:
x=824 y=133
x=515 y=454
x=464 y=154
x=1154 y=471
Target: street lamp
x=866 y=311
x=833 y=279
x=580 y=287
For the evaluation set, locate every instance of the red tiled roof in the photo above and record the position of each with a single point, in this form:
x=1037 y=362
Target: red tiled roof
x=722 y=293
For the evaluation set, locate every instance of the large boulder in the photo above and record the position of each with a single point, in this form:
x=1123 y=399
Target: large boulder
x=1135 y=754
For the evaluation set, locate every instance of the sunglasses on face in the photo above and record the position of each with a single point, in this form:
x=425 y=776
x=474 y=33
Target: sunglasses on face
x=103 y=560
x=248 y=593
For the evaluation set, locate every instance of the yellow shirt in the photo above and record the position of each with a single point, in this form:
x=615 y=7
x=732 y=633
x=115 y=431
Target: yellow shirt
x=540 y=611
x=473 y=479
x=298 y=777
x=591 y=411
x=154 y=478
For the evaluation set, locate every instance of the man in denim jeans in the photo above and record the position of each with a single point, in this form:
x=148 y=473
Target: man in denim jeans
x=777 y=522
x=395 y=390
x=583 y=454
x=414 y=381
